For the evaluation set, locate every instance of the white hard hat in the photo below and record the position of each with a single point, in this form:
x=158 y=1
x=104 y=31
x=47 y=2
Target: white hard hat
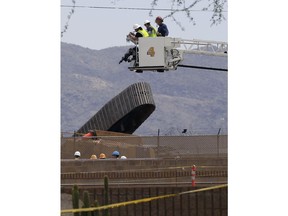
x=77 y=153
x=123 y=157
x=136 y=26
x=146 y=21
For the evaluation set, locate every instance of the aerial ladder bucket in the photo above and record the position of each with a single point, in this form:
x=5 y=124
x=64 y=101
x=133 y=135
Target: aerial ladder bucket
x=166 y=53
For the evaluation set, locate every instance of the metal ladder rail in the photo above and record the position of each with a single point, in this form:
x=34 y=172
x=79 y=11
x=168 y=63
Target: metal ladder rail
x=205 y=47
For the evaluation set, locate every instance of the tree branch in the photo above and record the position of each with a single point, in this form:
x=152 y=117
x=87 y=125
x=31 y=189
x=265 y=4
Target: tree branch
x=217 y=6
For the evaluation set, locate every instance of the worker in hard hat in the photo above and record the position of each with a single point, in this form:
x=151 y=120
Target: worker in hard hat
x=140 y=32
x=123 y=157
x=162 y=28
x=77 y=155
x=150 y=29
x=133 y=36
x=93 y=157
x=116 y=154
x=102 y=156
x=130 y=55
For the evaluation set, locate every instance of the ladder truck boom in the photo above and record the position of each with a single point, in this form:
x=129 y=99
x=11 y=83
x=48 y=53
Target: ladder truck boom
x=166 y=53
x=203 y=47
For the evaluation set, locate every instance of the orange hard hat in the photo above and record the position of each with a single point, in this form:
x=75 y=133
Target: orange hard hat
x=102 y=156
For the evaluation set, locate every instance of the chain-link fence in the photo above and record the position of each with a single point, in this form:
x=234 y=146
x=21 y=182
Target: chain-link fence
x=146 y=146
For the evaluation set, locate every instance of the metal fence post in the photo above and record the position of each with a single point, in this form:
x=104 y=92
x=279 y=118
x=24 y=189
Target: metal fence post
x=218 y=135
x=158 y=143
x=74 y=140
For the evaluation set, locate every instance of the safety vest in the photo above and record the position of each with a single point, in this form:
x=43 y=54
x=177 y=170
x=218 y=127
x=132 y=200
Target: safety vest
x=153 y=33
x=143 y=32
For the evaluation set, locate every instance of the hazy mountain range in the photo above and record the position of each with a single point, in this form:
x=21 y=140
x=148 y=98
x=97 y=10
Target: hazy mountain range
x=185 y=98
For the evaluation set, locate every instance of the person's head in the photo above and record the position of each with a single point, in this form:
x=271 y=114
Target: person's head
x=123 y=157
x=77 y=155
x=137 y=27
x=93 y=156
x=115 y=154
x=159 y=20
x=147 y=23
x=102 y=156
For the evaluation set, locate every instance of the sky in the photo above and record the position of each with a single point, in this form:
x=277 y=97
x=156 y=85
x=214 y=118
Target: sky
x=101 y=28
x=30 y=102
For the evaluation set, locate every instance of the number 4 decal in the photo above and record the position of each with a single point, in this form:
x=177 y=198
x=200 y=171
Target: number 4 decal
x=151 y=52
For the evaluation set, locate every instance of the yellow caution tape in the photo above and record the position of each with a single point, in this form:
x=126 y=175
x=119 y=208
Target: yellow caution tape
x=139 y=200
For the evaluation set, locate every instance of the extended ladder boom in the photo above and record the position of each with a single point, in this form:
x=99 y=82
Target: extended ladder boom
x=205 y=47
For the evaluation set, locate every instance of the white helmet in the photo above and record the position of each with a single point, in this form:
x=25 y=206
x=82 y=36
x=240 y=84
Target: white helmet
x=136 y=26
x=146 y=21
x=77 y=153
x=123 y=157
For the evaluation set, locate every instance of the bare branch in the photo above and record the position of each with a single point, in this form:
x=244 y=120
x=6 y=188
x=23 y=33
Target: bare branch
x=71 y=12
x=153 y=5
x=186 y=6
x=218 y=6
